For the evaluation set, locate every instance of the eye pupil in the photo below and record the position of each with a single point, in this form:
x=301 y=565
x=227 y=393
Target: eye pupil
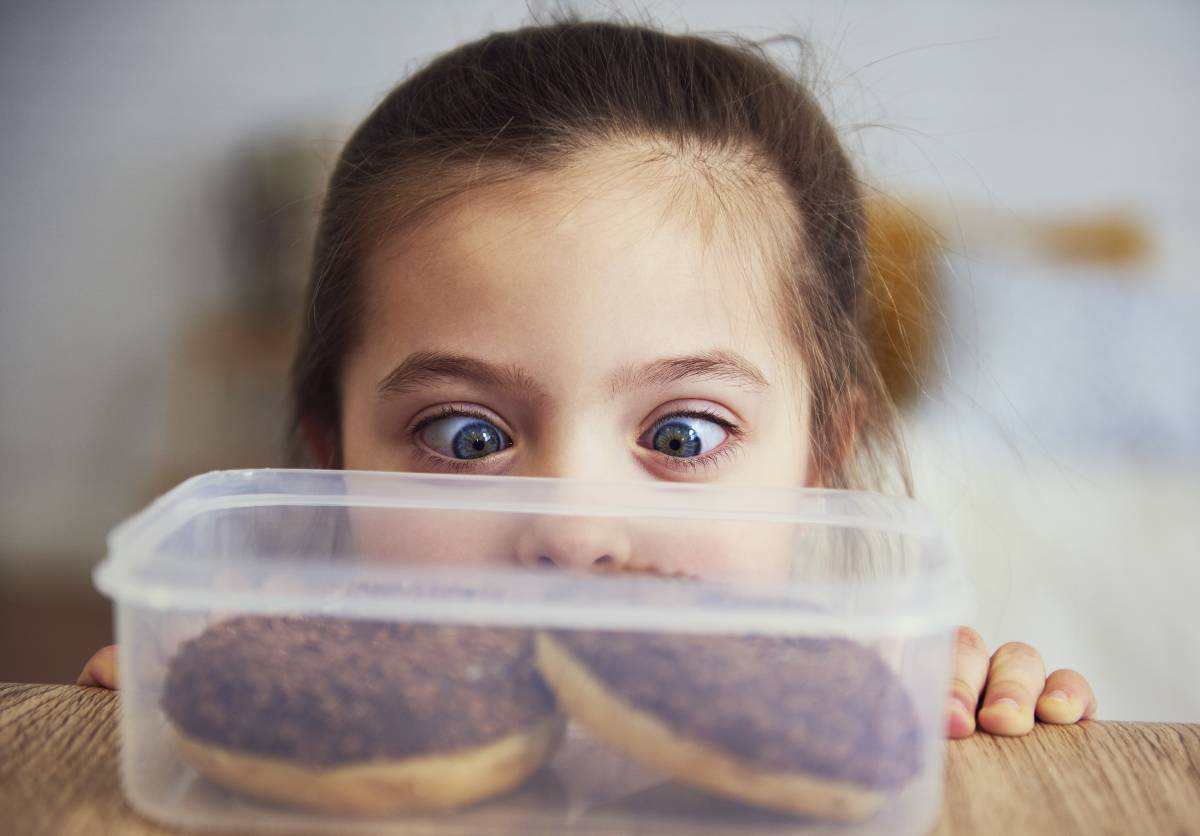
x=476 y=440
x=679 y=439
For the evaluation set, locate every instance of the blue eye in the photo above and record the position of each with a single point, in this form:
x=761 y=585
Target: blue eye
x=464 y=437
x=685 y=436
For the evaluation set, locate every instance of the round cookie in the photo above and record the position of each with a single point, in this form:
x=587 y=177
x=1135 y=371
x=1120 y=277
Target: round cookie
x=356 y=716
x=816 y=727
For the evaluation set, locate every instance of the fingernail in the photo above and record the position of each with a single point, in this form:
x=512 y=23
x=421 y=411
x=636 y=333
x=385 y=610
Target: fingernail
x=1058 y=707
x=1004 y=716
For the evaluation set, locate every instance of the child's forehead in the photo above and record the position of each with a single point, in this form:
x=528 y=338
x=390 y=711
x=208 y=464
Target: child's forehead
x=575 y=275
x=608 y=228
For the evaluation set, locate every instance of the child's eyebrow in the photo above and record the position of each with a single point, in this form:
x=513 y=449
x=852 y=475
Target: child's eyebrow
x=423 y=368
x=725 y=366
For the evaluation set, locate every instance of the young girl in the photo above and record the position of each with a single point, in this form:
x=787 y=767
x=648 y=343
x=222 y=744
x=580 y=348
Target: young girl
x=598 y=251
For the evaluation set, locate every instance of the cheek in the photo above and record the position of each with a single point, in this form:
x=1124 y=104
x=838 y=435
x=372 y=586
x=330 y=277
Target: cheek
x=360 y=451
x=715 y=550
x=778 y=453
x=434 y=538
x=363 y=444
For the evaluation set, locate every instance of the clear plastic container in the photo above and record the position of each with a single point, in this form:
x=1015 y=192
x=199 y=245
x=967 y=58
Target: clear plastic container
x=349 y=651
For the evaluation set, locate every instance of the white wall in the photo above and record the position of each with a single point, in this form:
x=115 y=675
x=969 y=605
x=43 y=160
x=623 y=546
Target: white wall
x=119 y=120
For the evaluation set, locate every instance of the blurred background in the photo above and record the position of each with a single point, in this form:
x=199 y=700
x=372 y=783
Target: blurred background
x=162 y=164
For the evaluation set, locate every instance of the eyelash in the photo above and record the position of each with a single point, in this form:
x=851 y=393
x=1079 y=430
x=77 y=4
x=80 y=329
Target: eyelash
x=432 y=461
x=449 y=411
x=689 y=465
x=704 y=462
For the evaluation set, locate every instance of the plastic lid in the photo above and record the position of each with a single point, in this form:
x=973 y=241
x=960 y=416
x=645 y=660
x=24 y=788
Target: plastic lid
x=921 y=586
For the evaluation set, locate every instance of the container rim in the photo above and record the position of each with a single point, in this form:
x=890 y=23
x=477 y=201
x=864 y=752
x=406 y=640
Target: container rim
x=265 y=487
x=934 y=598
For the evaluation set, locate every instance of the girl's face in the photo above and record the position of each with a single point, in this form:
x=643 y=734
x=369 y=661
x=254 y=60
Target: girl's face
x=580 y=325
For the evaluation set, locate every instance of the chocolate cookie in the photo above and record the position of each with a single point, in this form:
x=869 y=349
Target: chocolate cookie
x=363 y=716
x=816 y=726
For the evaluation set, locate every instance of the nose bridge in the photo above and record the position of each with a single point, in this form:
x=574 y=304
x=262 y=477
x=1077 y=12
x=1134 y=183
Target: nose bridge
x=578 y=445
x=574 y=543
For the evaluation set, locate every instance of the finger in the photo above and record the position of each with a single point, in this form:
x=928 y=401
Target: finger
x=970 y=672
x=1015 y=680
x=1067 y=698
x=101 y=669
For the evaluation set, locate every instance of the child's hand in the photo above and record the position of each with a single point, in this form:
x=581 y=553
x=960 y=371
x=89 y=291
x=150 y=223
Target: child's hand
x=101 y=669
x=1017 y=690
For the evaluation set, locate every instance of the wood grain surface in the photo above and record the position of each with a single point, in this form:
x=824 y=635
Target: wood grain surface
x=59 y=774
x=1093 y=778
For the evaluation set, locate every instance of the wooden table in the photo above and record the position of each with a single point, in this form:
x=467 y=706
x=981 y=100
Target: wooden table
x=59 y=743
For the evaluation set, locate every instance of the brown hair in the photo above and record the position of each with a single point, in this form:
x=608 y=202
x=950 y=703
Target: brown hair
x=526 y=100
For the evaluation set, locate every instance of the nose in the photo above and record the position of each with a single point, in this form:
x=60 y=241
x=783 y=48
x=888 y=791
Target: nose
x=575 y=544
